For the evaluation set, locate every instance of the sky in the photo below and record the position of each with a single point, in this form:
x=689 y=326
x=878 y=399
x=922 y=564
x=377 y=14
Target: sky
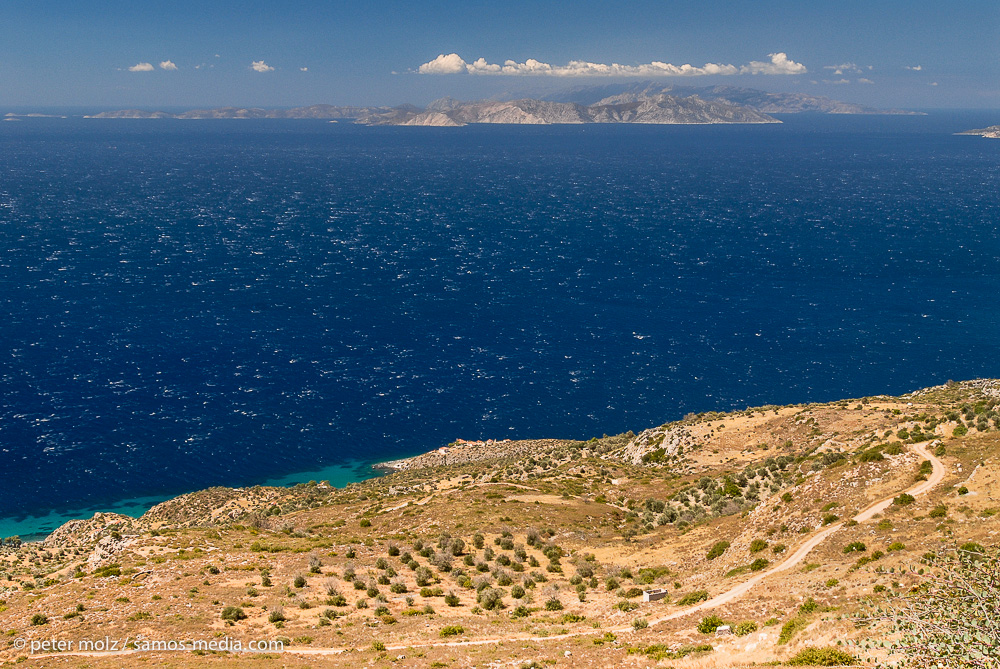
x=180 y=54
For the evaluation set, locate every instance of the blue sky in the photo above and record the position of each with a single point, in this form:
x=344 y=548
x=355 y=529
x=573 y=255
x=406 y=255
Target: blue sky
x=903 y=54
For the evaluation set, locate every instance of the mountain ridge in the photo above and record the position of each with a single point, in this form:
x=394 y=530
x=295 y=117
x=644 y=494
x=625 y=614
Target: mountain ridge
x=645 y=102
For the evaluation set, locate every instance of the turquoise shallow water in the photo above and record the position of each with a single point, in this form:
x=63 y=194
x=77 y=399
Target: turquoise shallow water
x=193 y=304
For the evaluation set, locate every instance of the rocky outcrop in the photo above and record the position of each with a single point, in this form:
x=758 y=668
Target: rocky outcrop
x=674 y=440
x=86 y=531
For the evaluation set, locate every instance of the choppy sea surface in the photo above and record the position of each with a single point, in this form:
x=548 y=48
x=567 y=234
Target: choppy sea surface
x=196 y=303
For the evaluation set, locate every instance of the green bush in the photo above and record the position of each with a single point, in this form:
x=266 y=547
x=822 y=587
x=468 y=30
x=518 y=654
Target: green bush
x=693 y=598
x=808 y=606
x=757 y=545
x=553 y=604
x=233 y=613
x=717 y=549
x=789 y=629
x=709 y=624
x=960 y=431
x=871 y=455
x=640 y=624
x=744 y=628
x=904 y=499
x=855 y=547
x=759 y=564
x=939 y=511
x=822 y=657
x=365 y=523
x=452 y=630
x=39 y=619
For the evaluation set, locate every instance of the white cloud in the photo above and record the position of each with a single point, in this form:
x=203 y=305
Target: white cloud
x=450 y=64
x=454 y=64
x=844 y=67
x=261 y=66
x=914 y=68
x=141 y=67
x=167 y=65
x=863 y=80
x=780 y=64
x=303 y=69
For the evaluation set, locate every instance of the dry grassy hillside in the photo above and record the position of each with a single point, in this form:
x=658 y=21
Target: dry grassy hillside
x=534 y=553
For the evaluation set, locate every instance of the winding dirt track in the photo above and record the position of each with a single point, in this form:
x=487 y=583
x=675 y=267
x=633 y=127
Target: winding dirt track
x=724 y=598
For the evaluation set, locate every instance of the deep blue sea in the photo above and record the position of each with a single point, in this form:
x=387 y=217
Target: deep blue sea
x=195 y=303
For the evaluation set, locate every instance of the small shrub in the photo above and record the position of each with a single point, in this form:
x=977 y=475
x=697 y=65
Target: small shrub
x=553 y=604
x=452 y=630
x=939 y=511
x=39 y=619
x=365 y=523
x=233 y=613
x=759 y=564
x=897 y=546
x=640 y=624
x=822 y=657
x=693 y=598
x=520 y=612
x=709 y=624
x=904 y=499
x=717 y=549
x=808 y=606
x=855 y=546
x=378 y=646
x=757 y=545
x=744 y=628
x=789 y=629
x=276 y=615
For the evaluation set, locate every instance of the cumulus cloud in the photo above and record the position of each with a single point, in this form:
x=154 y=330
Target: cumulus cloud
x=141 y=67
x=914 y=68
x=863 y=80
x=261 y=66
x=452 y=63
x=779 y=64
x=303 y=69
x=167 y=65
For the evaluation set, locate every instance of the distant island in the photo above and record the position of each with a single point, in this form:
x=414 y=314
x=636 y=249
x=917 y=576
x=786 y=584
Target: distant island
x=992 y=132
x=640 y=103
